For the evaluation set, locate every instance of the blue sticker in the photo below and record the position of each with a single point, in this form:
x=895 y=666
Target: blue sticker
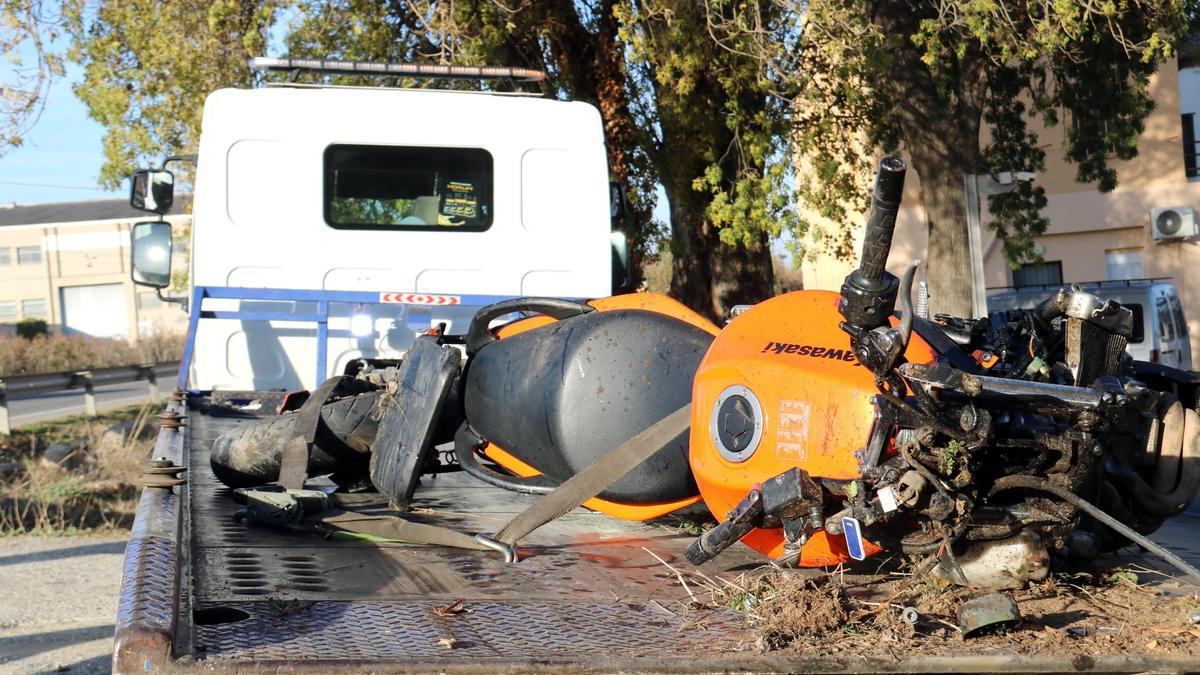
x=852 y=530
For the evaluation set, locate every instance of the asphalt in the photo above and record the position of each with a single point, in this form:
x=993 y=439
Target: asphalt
x=55 y=404
x=58 y=599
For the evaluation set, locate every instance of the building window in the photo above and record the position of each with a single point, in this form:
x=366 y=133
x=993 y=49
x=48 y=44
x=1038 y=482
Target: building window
x=1188 y=122
x=29 y=255
x=1038 y=274
x=1126 y=264
x=33 y=308
x=8 y=310
x=5 y=256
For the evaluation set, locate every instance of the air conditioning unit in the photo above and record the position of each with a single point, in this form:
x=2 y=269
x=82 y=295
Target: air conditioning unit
x=1175 y=222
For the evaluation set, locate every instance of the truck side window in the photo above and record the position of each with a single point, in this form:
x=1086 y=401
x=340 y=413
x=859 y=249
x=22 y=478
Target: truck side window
x=379 y=187
x=1177 y=312
x=1139 y=323
x=1166 y=330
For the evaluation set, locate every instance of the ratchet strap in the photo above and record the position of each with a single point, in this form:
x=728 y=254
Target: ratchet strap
x=293 y=459
x=596 y=478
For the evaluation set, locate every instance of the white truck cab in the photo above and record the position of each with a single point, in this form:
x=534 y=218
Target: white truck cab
x=333 y=224
x=1160 y=332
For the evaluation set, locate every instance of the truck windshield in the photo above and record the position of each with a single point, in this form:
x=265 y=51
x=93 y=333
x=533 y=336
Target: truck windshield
x=390 y=187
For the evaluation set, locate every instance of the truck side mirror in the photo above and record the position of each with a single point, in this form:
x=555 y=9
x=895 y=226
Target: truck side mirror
x=151 y=254
x=618 y=205
x=622 y=276
x=152 y=190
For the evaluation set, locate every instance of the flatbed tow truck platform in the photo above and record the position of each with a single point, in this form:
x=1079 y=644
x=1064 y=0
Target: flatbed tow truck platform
x=590 y=594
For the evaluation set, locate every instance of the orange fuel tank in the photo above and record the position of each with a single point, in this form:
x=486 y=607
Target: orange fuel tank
x=786 y=358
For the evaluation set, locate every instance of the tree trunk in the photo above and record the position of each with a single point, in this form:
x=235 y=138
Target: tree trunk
x=940 y=127
x=706 y=274
x=591 y=65
x=948 y=263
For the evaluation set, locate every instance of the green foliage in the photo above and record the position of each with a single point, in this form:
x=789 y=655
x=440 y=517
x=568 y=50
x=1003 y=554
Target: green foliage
x=950 y=457
x=148 y=65
x=28 y=329
x=880 y=73
x=370 y=211
x=684 y=102
x=700 y=81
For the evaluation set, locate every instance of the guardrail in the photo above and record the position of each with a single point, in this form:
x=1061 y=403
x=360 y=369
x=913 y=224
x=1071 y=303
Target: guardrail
x=86 y=380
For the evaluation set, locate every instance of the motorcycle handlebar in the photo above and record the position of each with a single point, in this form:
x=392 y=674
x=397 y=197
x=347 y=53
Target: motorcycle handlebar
x=881 y=221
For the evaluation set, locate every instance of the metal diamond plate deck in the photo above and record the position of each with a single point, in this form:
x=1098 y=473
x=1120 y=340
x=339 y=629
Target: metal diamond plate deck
x=587 y=587
x=398 y=631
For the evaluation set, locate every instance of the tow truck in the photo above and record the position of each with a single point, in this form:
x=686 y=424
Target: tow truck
x=315 y=207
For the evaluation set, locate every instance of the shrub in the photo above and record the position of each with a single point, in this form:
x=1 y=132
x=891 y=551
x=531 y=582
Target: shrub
x=58 y=353
x=31 y=328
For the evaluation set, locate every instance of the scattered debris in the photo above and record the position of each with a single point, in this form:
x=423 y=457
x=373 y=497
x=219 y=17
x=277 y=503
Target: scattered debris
x=1109 y=612
x=451 y=610
x=61 y=454
x=10 y=470
x=797 y=609
x=991 y=612
x=1084 y=631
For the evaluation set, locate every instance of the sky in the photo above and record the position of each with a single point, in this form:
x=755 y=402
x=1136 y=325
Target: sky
x=61 y=157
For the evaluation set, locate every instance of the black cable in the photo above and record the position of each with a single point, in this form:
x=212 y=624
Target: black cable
x=1035 y=483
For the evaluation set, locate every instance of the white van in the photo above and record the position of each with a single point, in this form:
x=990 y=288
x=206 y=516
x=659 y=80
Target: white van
x=1160 y=333
x=332 y=224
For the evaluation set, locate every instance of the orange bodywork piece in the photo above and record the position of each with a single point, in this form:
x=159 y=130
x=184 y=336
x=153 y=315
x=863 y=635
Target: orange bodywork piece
x=816 y=407
x=651 y=302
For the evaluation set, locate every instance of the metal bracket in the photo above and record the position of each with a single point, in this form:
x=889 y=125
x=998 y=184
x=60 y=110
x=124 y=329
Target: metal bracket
x=161 y=473
x=509 y=552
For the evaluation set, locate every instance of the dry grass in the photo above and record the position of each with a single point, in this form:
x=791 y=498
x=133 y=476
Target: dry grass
x=1104 y=611
x=95 y=491
x=58 y=353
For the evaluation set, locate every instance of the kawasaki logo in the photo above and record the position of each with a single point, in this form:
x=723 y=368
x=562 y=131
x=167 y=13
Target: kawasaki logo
x=811 y=351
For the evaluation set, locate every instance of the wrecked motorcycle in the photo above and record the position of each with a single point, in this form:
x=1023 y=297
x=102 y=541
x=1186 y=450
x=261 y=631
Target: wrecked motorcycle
x=824 y=427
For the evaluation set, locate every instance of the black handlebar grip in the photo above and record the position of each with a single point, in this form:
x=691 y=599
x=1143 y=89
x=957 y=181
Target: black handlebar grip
x=881 y=221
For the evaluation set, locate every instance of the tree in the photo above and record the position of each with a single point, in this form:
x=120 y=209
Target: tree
x=28 y=30
x=148 y=65
x=677 y=108
x=928 y=75
x=715 y=135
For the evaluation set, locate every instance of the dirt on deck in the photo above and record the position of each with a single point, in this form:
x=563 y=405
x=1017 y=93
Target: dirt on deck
x=1099 y=613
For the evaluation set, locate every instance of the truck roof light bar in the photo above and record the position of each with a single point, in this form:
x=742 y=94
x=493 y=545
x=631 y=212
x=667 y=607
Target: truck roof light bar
x=420 y=70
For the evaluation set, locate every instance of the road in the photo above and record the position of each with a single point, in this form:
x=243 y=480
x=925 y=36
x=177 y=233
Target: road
x=58 y=599
x=31 y=408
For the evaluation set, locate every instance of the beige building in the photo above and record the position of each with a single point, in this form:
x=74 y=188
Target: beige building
x=1092 y=236
x=68 y=264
